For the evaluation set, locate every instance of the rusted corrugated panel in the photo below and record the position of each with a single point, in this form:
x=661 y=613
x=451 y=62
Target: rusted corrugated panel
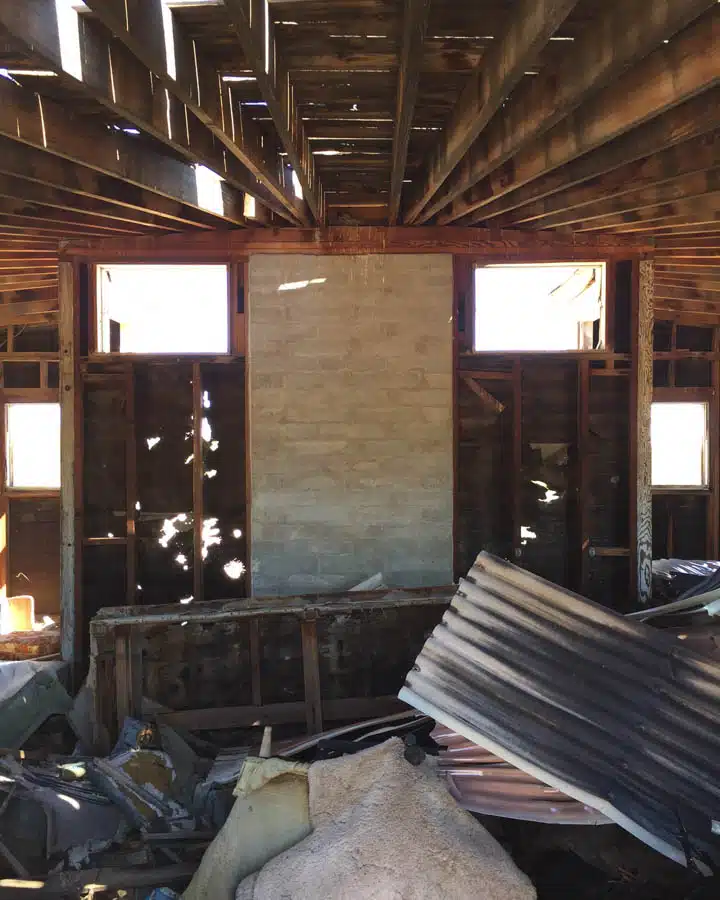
x=618 y=715
x=484 y=783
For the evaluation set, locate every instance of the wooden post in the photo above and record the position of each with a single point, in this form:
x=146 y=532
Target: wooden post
x=583 y=450
x=130 y=488
x=311 y=672
x=71 y=623
x=197 y=484
x=255 y=670
x=643 y=378
x=713 y=531
x=128 y=675
x=517 y=460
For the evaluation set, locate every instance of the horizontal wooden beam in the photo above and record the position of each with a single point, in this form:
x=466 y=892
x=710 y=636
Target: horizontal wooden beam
x=15 y=313
x=196 y=92
x=500 y=70
x=252 y=23
x=27 y=281
x=572 y=101
x=415 y=20
x=621 y=188
x=48 y=125
x=696 y=117
x=28 y=296
x=503 y=245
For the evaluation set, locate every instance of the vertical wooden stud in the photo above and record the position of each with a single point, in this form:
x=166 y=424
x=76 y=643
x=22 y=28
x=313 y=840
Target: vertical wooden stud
x=311 y=673
x=71 y=619
x=583 y=449
x=128 y=675
x=517 y=459
x=197 y=483
x=642 y=350
x=130 y=487
x=713 y=529
x=255 y=670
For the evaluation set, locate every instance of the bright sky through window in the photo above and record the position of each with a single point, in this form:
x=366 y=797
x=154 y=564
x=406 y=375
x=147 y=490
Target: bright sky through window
x=33 y=445
x=162 y=309
x=679 y=442
x=535 y=308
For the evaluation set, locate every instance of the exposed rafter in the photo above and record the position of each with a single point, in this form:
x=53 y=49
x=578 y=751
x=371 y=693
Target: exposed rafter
x=255 y=31
x=627 y=33
x=113 y=77
x=415 y=18
x=694 y=118
x=198 y=87
x=35 y=167
x=533 y=24
x=700 y=210
x=674 y=163
x=50 y=126
x=696 y=184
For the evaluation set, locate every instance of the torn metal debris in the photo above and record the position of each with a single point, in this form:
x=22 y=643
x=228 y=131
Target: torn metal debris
x=616 y=714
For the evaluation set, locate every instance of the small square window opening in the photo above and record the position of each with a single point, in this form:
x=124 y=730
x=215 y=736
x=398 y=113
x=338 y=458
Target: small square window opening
x=155 y=309
x=33 y=446
x=679 y=445
x=540 y=307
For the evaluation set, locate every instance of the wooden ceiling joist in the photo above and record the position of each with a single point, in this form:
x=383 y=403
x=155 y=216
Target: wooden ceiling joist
x=415 y=19
x=698 y=184
x=673 y=73
x=32 y=165
x=194 y=95
x=691 y=157
x=692 y=119
x=19 y=313
x=531 y=27
x=252 y=23
x=50 y=126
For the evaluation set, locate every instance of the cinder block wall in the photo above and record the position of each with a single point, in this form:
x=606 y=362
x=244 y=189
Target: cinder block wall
x=351 y=435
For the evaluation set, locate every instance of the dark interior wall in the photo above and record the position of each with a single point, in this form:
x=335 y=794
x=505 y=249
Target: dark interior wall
x=34 y=553
x=543 y=471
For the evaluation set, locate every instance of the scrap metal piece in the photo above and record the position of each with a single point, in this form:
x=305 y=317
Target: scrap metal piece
x=621 y=716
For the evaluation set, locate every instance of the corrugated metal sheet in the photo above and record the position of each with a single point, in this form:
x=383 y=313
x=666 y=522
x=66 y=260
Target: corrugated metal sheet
x=484 y=783
x=618 y=715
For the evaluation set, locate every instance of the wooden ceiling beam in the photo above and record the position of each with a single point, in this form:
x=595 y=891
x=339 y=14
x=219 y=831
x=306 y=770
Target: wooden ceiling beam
x=415 y=19
x=29 y=164
x=692 y=119
x=16 y=313
x=626 y=181
x=51 y=126
x=26 y=296
x=499 y=72
x=31 y=192
x=193 y=95
x=671 y=74
x=37 y=213
x=26 y=282
x=698 y=184
x=252 y=23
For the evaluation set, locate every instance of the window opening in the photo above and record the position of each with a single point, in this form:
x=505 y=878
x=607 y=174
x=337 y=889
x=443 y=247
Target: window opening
x=679 y=444
x=33 y=446
x=157 y=309
x=559 y=306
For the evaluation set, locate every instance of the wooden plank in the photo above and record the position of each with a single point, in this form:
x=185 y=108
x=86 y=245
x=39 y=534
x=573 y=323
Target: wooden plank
x=665 y=167
x=586 y=83
x=128 y=678
x=51 y=126
x=198 y=86
x=255 y=662
x=311 y=675
x=484 y=395
x=522 y=246
x=254 y=28
x=643 y=394
x=701 y=208
x=517 y=439
x=14 y=313
x=609 y=211
x=278 y=713
x=499 y=72
x=415 y=19
x=197 y=475
x=130 y=487
x=713 y=527
x=121 y=82
x=583 y=430
x=696 y=116
x=70 y=612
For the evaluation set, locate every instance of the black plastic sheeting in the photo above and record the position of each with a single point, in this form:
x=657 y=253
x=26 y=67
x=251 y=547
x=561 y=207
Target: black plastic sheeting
x=617 y=714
